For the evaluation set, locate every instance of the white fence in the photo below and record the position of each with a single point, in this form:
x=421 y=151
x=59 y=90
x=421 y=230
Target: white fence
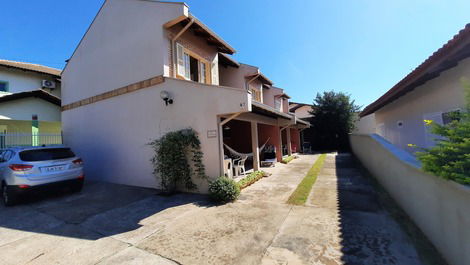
x=25 y=139
x=440 y=208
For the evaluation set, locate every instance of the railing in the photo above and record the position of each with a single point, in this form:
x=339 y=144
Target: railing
x=28 y=139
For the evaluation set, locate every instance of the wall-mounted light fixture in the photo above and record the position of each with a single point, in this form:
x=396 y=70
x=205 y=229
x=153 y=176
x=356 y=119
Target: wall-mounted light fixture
x=166 y=97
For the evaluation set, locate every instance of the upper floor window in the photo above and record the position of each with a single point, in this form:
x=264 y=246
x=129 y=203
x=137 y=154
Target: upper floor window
x=3 y=86
x=278 y=104
x=256 y=94
x=191 y=66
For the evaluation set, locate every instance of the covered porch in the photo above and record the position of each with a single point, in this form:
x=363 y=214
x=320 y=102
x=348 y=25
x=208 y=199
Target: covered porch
x=256 y=139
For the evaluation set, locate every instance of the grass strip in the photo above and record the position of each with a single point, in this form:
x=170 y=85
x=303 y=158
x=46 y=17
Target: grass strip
x=300 y=195
x=287 y=159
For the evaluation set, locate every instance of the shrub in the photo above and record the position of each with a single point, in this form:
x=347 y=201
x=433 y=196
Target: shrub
x=224 y=189
x=450 y=158
x=177 y=157
x=251 y=178
x=287 y=159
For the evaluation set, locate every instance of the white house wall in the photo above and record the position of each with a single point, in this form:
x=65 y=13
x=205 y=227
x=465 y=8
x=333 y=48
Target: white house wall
x=441 y=94
x=126 y=42
x=22 y=81
x=112 y=135
x=365 y=125
x=24 y=109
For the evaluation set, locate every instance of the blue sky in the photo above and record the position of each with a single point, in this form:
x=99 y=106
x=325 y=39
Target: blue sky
x=362 y=47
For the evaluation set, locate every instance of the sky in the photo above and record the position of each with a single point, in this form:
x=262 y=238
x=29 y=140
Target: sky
x=360 y=47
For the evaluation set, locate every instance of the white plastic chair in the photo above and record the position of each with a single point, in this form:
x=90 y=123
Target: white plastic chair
x=239 y=166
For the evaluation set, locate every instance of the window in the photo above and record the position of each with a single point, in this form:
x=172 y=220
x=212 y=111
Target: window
x=46 y=154
x=278 y=104
x=256 y=94
x=190 y=66
x=448 y=117
x=3 y=86
x=203 y=72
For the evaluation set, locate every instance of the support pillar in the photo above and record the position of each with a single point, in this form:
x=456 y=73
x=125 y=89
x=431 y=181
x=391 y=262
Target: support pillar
x=289 y=145
x=254 y=145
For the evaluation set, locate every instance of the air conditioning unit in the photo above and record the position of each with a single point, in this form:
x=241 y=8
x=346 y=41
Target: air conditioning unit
x=48 y=84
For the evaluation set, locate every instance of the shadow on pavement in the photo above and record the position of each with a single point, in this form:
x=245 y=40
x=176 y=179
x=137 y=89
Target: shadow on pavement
x=100 y=209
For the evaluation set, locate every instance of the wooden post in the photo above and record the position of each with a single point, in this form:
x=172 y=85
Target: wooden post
x=254 y=145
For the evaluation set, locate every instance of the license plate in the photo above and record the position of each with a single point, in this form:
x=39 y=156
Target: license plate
x=52 y=169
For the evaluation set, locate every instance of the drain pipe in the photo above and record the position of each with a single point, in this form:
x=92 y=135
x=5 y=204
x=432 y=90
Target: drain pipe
x=173 y=45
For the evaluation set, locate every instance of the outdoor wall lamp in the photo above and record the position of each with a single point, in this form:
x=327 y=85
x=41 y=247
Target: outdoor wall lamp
x=166 y=97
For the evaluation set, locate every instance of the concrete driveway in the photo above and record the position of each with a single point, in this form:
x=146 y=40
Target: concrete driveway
x=115 y=224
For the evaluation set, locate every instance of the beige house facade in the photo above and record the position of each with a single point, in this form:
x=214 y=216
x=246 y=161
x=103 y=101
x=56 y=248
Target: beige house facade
x=115 y=83
x=30 y=111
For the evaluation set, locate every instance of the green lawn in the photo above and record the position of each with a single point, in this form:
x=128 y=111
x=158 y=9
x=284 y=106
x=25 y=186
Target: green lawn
x=300 y=195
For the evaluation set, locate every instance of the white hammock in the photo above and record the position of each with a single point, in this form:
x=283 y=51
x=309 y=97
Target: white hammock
x=235 y=153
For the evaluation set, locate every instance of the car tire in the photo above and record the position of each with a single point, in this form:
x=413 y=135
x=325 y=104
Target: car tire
x=9 y=197
x=77 y=187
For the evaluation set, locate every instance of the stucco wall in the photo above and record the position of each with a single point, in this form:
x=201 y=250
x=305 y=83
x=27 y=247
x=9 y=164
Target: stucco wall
x=112 y=135
x=235 y=77
x=21 y=81
x=23 y=109
x=365 y=125
x=440 y=208
x=303 y=112
x=125 y=44
x=440 y=94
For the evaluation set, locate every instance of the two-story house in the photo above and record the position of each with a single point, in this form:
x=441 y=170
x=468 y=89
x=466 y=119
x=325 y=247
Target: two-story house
x=29 y=104
x=145 y=68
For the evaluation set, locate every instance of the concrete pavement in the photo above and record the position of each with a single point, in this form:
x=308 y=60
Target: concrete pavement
x=115 y=224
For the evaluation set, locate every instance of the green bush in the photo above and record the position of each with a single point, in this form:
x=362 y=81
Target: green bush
x=450 y=158
x=251 y=178
x=224 y=189
x=287 y=159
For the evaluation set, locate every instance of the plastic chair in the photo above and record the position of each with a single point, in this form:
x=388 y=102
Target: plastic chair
x=239 y=166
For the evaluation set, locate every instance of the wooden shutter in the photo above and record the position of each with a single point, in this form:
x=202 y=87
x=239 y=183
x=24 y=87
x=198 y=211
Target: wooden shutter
x=180 y=60
x=202 y=72
x=187 y=67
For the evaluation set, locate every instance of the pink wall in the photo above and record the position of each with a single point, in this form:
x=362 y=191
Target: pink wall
x=271 y=132
x=295 y=140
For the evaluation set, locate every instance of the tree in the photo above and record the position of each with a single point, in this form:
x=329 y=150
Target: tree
x=450 y=157
x=333 y=119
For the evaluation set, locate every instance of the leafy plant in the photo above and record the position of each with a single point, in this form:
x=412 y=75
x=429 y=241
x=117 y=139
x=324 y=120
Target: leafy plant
x=287 y=159
x=177 y=156
x=224 y=189
x=251 y=178
x=450 y=157
x=333 y=119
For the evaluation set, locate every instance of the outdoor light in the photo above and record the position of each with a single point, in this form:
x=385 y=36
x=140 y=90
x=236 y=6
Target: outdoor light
x=166 y=97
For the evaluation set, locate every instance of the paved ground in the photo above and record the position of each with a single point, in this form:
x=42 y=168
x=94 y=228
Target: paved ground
x=114 y=224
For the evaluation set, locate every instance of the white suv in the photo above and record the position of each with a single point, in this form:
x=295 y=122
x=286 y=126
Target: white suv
x=23 y=169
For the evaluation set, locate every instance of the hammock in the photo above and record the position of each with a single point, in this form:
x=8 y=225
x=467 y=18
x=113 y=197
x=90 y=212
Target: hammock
x=235 y=153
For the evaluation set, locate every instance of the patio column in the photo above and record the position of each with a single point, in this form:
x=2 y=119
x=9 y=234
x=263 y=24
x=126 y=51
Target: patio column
x=288 y=138
x=254 y=145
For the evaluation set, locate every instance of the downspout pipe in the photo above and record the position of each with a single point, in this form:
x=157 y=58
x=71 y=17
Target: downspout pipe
x=173 y=44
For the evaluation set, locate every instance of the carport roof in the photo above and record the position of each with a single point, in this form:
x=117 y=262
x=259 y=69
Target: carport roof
x=35 y=93
x=266 y=110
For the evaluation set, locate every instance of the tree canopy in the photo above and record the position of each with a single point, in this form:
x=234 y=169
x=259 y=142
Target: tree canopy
x=333 y=119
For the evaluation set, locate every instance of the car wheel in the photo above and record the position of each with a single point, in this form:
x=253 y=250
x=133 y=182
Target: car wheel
x=8 y=196
x=77 y=187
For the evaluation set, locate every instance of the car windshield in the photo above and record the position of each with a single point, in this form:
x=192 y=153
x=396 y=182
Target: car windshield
x=46 y=154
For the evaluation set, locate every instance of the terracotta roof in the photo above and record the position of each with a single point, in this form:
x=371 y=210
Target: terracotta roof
x=31 y=67
x=293 y=106
x=35 y=93
x=448 y=56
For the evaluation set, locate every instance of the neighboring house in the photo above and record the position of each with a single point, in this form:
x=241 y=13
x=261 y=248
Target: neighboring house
x=302 y=111
x=137 y=53
x=430 y=92
x=29 y=104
